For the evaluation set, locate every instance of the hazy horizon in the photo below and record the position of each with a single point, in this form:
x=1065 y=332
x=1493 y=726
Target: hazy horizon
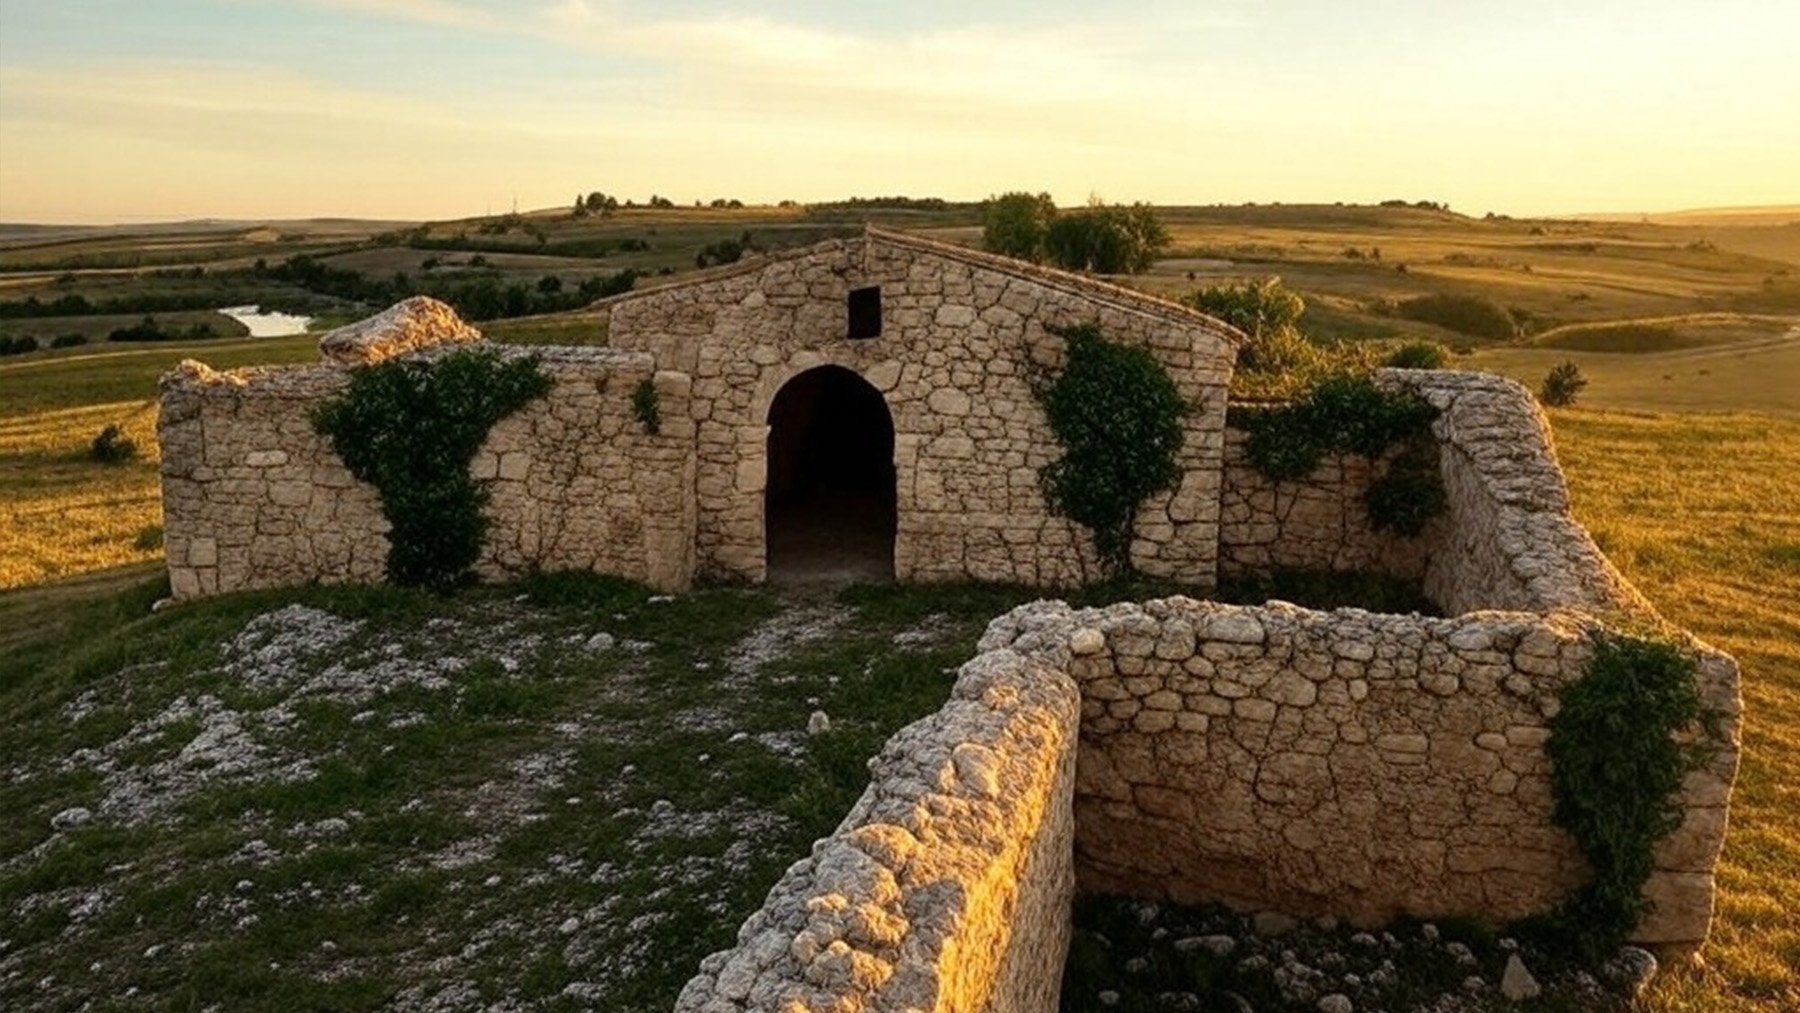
x=117 y=112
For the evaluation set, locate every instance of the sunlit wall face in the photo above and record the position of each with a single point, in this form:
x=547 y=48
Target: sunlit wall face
x=121 y=109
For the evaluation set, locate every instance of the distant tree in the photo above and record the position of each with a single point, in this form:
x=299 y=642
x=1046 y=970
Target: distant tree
x=1016 y=224
x=1108 y=239
x=580 y=207
x=601 y=203
x=659 y=201
x=549 y=284
x=1562 y=385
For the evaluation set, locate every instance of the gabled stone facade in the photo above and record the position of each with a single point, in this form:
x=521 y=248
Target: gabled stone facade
x=253 y=497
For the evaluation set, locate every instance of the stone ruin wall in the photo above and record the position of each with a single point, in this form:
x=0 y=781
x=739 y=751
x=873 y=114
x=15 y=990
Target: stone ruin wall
x=1344 y=763
x=1316 y=522
x=1507 y=539
x=254 y=497
x=963 y=339
x=948 y=885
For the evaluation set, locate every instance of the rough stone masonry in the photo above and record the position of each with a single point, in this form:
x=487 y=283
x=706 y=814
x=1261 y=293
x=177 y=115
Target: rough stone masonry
x=1271 y=758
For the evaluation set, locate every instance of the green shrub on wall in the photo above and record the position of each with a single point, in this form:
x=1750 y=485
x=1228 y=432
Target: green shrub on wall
x=1620 y=747
x=646 y=404
x=1117 y=414
x=1347 y=413
x=409 y=427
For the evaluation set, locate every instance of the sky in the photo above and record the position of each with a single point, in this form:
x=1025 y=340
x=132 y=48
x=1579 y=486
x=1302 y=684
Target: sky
x=132 y=110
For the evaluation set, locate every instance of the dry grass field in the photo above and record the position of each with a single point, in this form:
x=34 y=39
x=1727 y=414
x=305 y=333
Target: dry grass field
x=1685 y=463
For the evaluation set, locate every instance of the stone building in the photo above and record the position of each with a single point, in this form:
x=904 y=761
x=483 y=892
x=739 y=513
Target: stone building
x=872 y=400
x=863 y=403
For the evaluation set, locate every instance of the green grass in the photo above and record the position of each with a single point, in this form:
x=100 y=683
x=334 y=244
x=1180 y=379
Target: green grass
x=1762 y=376
x=1664 y=335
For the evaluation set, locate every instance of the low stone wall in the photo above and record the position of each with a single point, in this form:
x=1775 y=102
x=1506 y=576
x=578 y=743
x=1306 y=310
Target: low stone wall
x=254 y=497
x=1506 y=539
x=1345 y=763
x=947 y=887
x=1313 y=523
x=1509 y=540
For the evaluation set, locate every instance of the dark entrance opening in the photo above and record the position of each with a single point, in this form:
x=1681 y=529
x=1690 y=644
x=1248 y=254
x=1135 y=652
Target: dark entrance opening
x=829 y=511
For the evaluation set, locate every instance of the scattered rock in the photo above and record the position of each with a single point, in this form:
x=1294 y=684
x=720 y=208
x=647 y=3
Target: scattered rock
x=1272 y=923
x=818 y=724
x=601 y=642
x=1108 y=998
x=569 y=926
x=1516 y=983
x=1632 y=969
x=1336 y=1002
x=72 y=817
x=1218 y=945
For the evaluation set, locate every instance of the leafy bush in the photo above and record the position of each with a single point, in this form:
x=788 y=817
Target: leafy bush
x=1255 y=307
x=1117 y=414
x=10 y=345
x=1465 y=314
x=646 y=404
x=1419 y=355
x=1107 y=239
x=1277 y=358
x=1346 y=413
x=112 y=446
x=1343 y=413
x=68 y=340
x=1562 y=385
x=410 y=428
x=1408 y=496
x=1619 y=751
x=1017 y=224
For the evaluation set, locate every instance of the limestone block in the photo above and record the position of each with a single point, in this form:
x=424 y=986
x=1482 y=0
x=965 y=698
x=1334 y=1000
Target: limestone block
x=418 y=322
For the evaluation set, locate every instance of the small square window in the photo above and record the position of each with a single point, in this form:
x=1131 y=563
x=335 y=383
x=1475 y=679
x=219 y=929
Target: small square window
x=865 y=313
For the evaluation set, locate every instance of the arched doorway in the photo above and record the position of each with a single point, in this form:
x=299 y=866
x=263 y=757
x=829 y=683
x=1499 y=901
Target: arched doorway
x=829 y=506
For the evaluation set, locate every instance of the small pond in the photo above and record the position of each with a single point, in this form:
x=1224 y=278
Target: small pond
x=267 y=324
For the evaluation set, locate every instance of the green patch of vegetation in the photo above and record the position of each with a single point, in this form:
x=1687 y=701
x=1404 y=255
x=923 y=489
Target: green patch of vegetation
x=1418 y=355
x=646 y=404
x=1117 y=414
x=1562 y=385
x=1343 y=413
x=1348 y=413
x=1476 y=316
x=112 y=446
x=1629 y=732
x=410 y=428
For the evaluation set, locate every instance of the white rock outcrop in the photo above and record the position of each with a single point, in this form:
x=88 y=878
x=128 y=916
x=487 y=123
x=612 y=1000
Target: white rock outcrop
x=407 y=326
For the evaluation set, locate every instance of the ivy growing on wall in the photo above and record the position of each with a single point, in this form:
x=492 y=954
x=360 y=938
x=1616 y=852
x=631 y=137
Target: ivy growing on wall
x=1117 y=414
x=409 y=427
x=1347 y=413
x=1619 y=749
x=646 y=404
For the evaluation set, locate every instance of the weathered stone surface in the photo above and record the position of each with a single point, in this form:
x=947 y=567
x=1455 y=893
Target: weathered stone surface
x=1516 y=983
x=948 y=885
x=408 y=326
x=963 y=334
